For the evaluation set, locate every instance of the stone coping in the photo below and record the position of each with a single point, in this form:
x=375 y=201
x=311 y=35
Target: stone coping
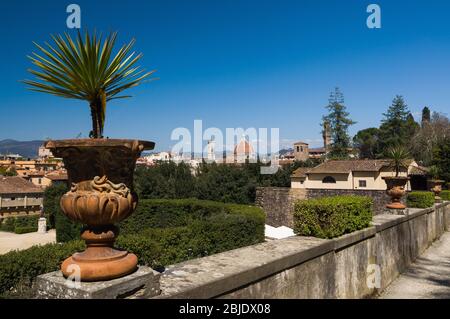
x=218 y=274
x=353 y=238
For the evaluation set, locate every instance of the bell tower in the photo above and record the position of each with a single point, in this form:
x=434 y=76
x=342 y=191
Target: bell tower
x=326 y=134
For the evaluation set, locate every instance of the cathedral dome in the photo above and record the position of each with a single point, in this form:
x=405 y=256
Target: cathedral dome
x=243 y=148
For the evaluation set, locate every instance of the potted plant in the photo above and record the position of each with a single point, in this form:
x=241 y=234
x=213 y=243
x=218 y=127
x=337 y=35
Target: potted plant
x=435 y=184
x=398 y=159
x=100 y=170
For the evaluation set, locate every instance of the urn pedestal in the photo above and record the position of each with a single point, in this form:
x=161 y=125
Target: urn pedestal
x=100 y=172
x=396 y=190
x=435 y=185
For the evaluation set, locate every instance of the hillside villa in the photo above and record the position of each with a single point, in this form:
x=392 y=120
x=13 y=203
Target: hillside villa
x=356 y=175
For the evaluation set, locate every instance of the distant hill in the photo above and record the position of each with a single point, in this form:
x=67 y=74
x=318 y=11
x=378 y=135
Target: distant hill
x=285 y=151
x=26 y=148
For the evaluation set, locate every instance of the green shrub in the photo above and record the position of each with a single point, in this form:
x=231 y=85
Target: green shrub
x=420 y=199
x=330 y=217
x=25 y=229
x=66 y=230
x=20 y=224
x=20 y=268
x=188 y=228
x=445 y=195
x=8 y=224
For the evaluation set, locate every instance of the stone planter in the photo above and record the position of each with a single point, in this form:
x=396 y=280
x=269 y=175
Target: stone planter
x=396 y=190
x=435 y=185
x=100 y=172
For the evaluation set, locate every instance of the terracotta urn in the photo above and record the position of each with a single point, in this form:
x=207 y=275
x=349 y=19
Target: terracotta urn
x=435 y=185
x=100 y=173
x=396 y=190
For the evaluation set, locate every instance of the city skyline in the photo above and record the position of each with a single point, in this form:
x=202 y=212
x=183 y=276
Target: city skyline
x=237 y=64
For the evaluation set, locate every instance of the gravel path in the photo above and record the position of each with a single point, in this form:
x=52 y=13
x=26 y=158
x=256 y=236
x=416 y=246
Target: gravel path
x=428 y=277
x=11 y=241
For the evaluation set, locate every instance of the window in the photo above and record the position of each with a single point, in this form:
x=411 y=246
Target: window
x=298 y=148
x=301 y=149
x=362 y=183
x=329 y=180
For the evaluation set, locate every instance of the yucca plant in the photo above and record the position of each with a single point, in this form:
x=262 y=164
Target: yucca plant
x=398 y=156
x=85 y=68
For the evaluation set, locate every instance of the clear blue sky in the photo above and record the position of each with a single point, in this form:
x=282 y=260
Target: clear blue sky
x=236 y=63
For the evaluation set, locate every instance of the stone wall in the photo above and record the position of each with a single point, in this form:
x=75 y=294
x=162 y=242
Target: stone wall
x=278 y=202
x=306 y=267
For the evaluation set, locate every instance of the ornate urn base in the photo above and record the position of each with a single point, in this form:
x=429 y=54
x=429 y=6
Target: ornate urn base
x=100 y=173
x=396 y=190
x=435 y=185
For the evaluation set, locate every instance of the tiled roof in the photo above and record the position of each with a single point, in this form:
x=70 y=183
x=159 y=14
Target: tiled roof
x=419 y=170
x=17 y=185
x=347 y=166
x=301 y=172
x=300 y=142
x=57 y=176
x=317 y=150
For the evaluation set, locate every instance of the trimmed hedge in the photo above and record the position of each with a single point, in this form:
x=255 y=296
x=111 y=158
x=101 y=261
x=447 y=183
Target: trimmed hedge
x=188 y=228
x=420 y=199
x=445 y=195
x=18 y=269
x=20 y=224
x=330 y=217
x=160 y=232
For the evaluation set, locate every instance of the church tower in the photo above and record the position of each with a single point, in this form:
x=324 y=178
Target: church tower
x=211 y=150
x=326 y=137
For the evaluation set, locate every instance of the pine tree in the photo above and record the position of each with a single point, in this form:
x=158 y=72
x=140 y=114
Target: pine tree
x=339 y=121
x=394 y=129
x=426 y=116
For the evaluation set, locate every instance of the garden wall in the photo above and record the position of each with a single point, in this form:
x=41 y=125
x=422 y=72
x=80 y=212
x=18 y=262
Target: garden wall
x=305 y=267
x=278 y=202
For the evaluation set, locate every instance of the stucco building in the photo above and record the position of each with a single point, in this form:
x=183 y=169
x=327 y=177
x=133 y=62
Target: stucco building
x=349 y=174
x=19 y=197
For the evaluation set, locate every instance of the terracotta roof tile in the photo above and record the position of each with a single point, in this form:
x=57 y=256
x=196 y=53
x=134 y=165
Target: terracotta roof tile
x=300 y=172
x=347 y=166
x=17 y=185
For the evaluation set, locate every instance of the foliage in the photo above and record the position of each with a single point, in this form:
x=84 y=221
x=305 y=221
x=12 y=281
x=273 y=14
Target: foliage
x=426 y=116
x=339 y=121
x=22 y=267
x=396 y=129
x=330 y=217
x=25 y=229
x=165 y=180
x=82 y=68
x=367 y=142
x=161 y=232
x=7 y=224
x=20 y=224
x=398 y=158
x=431 y=135
x=52 y=195
x=66 y=230
x=7 y=171
x=441 y=159
x=219 y=232
x=445 y=195
x=224 y=183
x=420 y=199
